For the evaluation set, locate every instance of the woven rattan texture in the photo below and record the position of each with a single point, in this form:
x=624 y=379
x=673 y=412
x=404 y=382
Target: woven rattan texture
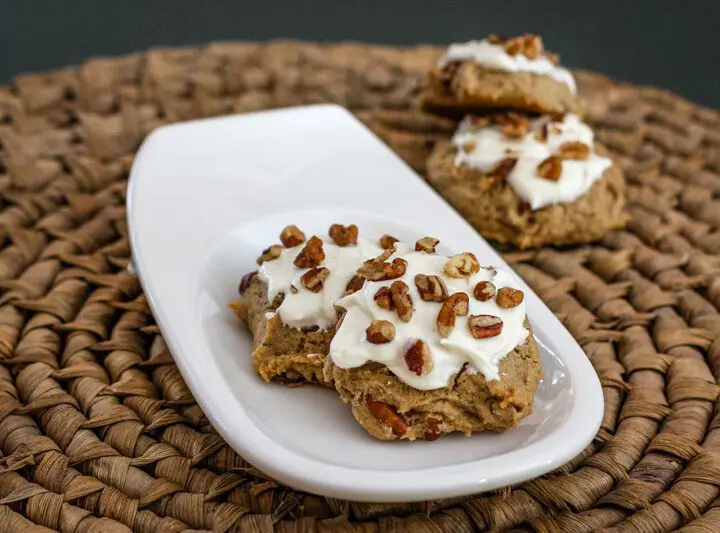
x=99 y=433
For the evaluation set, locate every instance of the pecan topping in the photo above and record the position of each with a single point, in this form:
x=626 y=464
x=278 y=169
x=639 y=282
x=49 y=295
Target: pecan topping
x=383 y=298
x=574 y=150
x=457 y=304
x=502 y=169
x=462 y=265
x=293 y=289
x=269 y=254
x=484 y=326
x=541 y=134
x=469 y=146
x=508 y=297
x=375 y=270
x=354 y=285
x=401 y=300
x=550 y=168
x=245 y=281
x=484 y=291
x=344 y=235
x=385 y=255
x=291 y=236
x=417 y=357
x=311 y=255
x=514 y=126
x=494 y=38
x=530 y=46
x=380 y=332
x=431 y=288
x=388 y=415
x=388 y=242
x=314 y=278
x=427 y=245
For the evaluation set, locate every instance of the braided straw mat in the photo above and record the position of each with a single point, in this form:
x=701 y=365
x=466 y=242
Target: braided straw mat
x=98 y=432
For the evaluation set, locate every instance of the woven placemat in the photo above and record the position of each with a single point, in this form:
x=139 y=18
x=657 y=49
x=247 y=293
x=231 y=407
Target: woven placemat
x=97 y=429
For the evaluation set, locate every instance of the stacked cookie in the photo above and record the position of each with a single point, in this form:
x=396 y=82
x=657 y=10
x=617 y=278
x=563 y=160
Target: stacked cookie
x=418 y=343
x=522 y=166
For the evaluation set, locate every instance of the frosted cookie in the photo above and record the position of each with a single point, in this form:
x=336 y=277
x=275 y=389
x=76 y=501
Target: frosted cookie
x=289 y=303
x=514 y=73
x=433 y=346
x=530 y=182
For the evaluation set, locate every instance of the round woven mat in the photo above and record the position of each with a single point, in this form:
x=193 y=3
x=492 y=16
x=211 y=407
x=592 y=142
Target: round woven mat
x=99 y=433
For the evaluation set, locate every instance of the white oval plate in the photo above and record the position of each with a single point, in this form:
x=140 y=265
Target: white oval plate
x=206 y=197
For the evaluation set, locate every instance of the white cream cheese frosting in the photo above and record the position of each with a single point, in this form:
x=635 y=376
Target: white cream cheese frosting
x=494 y=57
x=350 y=347
x=305 y=308
x=490 y=145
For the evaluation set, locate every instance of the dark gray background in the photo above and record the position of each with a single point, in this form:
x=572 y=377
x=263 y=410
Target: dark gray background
x=662 y=42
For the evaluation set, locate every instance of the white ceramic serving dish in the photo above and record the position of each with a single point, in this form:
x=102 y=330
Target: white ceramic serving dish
x=206 y=197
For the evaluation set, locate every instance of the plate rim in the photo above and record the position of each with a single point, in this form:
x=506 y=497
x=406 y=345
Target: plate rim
x=304 y=473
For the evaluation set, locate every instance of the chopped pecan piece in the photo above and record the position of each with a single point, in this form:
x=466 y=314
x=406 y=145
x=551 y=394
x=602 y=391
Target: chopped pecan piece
x=245 y=281
x=574 y=150
x=344 y=235
x=311 y=255
x=550 y=168
x=380 y=332
x=401 y=300
x=462 y=265
x=494 y=38
x=383 y=298
x=514 y=126
x=291 y=236
x=388 y=415
x=388 y=242
x=433 y=431
x=417 y=356
x=427 y=245
x=314 y=278
x=508 y=297
x=514 y=46
x=528 y=45
x=533 y=46
x=485 y=326
x=456 y=305
x=541 y=134
x=431 y=288
x=354 y=285
x=484 y=291
x=502 y=169
x=469 y=146
x=375 y=270
x=269 y=254
x=553 y=58
x=385 y=255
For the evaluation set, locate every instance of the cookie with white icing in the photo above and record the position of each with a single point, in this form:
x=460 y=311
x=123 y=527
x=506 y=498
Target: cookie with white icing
x=289 y=302
x=513 y=73
x=530 y=181
x=433 y=345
